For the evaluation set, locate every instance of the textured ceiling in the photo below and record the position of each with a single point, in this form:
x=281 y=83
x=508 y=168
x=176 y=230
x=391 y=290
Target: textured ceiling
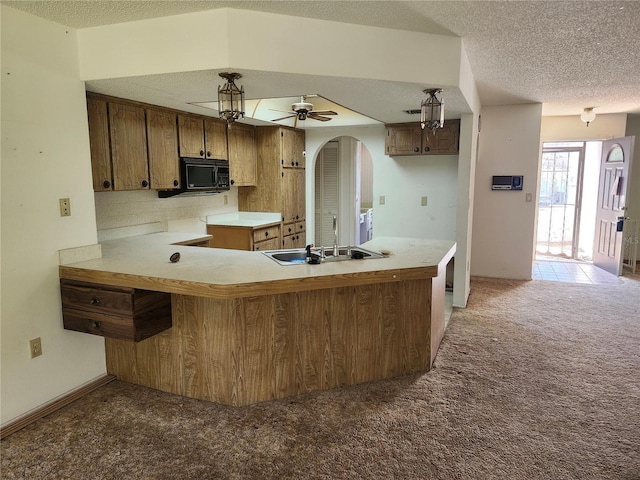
x=566 y=55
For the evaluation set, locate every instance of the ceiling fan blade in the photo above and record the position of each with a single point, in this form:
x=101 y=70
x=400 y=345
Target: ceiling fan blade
x=324 y=112
x=315 y=116
x=281 y=111
x=284 y=118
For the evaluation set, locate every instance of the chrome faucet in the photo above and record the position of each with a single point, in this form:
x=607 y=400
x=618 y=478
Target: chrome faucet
x=336 y=252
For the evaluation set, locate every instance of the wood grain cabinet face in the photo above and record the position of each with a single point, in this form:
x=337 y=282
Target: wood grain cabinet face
x=202 y=138
x=409 y=139
x=128 y=147
x=99 y=142
x=242 y=154
x=164 y=163
x=293 y=155
x=245 y=238
x=114 y=312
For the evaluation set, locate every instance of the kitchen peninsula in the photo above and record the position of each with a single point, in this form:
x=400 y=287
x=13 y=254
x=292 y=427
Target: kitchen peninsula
x=246 y=329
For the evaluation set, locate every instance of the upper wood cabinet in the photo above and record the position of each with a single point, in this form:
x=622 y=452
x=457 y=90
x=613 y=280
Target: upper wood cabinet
x=242 y=154
x=128 y=147
x=293 y=154
x=164 y=162
x=410 y=139
x=202 y=138
x=99 y=143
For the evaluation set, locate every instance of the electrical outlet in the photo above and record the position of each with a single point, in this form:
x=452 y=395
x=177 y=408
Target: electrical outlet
x=226 y=199
x=423 y=201
x=35 y=347
x=65 y=207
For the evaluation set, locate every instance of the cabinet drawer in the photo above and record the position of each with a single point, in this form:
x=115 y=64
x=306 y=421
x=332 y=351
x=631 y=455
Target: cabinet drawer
x=300 y=227
x=272 y=244
x=116 y=312
x=267 y=233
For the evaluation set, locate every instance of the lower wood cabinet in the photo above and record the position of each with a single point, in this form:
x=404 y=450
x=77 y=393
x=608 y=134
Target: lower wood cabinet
x=115 y=312
x=263 y=237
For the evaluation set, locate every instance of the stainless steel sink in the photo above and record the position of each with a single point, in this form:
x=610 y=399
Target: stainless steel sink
x=299 y=255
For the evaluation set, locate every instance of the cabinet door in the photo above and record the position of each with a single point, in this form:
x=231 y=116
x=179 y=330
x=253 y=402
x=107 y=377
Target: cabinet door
x=293 y=194
x=128 y=147
x=99 y=142
x=292 y=148
x=162 y=134
x=403 y=139
x=215 y=136
x=445 y=140
x=191 y=136
x=242 y=155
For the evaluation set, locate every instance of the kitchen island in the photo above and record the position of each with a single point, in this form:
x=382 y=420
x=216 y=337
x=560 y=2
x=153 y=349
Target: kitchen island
x=246 y=329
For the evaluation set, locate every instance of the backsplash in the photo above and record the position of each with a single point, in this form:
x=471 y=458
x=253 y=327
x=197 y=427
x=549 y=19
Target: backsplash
x=136 y=212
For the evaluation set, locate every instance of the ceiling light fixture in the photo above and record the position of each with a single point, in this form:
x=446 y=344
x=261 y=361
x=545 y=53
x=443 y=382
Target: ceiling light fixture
x=231 y=98
x=432 y=110
x=588 y=115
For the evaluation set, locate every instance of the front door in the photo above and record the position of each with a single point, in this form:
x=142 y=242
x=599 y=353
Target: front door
x=612 y=196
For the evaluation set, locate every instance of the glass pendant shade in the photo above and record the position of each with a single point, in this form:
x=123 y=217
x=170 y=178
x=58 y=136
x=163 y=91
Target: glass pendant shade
x=588 y=116
x=231 y=98
x=432 y=110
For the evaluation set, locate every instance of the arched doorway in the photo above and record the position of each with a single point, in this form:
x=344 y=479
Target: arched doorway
x=343 y=181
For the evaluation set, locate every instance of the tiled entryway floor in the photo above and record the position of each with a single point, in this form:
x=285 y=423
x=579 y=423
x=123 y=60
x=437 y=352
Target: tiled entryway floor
x=572 y=272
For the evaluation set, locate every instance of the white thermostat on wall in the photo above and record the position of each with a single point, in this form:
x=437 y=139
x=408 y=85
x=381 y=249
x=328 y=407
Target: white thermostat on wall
x=507 y=182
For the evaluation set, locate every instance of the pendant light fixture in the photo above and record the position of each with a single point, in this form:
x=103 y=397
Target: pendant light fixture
x=432 y=110
x=231 y=98
x=588 y=115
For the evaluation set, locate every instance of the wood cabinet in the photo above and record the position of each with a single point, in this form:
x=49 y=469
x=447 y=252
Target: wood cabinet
x=164 y=162
x=409 y=139
x=293 y=154
x=115 y=312
x=280 y=188
x=263 y=237
x=202 y=137
x=128 y=147
x=99 y=143
x=242 y=154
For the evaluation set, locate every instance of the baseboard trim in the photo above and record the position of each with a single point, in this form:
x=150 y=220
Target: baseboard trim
x=54 y=405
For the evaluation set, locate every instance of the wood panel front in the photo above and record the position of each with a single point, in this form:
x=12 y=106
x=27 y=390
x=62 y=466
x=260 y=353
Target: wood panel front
x=128 y=147
x=247 y=350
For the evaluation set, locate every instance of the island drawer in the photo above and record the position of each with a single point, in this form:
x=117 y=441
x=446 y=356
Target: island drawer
x=116 y=312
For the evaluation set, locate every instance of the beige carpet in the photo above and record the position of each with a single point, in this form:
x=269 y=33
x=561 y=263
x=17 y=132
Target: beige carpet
x=534 y=380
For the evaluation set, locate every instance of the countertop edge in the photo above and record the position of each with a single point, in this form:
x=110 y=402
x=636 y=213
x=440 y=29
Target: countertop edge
x=248 y=289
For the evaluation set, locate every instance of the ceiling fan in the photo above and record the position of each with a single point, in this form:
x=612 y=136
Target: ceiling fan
x=303 y=110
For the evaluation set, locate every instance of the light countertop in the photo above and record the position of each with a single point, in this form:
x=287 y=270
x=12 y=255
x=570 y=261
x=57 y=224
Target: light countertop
x=244 y=219
x=143 y=262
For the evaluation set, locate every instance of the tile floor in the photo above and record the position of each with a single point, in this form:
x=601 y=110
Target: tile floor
x=572 y=272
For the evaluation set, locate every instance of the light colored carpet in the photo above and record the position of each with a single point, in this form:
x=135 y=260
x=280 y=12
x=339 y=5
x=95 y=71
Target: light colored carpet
x=534 y=380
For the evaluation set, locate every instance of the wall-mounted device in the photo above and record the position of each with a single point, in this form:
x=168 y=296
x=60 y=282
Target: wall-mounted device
x=507 y=182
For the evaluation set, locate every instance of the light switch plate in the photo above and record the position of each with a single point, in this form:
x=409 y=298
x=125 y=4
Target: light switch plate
x=423 y=201
x=382 y=199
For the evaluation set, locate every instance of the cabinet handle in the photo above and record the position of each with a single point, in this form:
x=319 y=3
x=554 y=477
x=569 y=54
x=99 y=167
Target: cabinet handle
x=297 y=217
x=106 y=184
x=416 y=149
x=289 y=229
x=94 y=301
x=95 y=324
x=292 y=163
x=266 y=234
x=208 y=153
x=176 y=183
x=296 y=164
x=144 y=183
x=427 y=148
x=202 y=153
x=232 y=182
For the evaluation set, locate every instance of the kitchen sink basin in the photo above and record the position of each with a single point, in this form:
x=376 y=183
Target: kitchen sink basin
x=299 y=255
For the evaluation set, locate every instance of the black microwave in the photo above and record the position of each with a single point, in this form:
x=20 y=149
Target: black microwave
x=201 y=176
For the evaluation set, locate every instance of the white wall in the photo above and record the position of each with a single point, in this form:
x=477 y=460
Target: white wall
x=45 y=156
x=503 y=222
x=633 y=201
